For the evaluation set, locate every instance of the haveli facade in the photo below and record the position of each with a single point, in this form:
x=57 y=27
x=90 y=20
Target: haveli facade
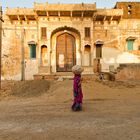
x=51 y=38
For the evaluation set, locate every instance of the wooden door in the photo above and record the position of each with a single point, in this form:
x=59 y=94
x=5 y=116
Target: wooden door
x=99 y=51
x=65 y=52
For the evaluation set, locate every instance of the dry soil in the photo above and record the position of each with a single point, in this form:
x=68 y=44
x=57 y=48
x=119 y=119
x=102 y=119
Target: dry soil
x=41 y=110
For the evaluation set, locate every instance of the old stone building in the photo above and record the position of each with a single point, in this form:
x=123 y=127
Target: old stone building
x=51 y=38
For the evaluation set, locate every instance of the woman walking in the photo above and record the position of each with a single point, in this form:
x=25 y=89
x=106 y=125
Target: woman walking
x=77 y=89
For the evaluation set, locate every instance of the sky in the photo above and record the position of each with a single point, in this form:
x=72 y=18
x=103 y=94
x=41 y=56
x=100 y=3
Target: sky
x=29 y=3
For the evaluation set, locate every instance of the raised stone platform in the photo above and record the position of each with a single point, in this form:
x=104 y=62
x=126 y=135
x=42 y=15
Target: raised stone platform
x=62 y=75
x=128 y=72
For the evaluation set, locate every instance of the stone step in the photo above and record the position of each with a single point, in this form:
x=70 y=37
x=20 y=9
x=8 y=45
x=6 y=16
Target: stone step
x=57 y=76
x=44 y=69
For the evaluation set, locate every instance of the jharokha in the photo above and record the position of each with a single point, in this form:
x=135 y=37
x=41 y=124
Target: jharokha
x=51 y=38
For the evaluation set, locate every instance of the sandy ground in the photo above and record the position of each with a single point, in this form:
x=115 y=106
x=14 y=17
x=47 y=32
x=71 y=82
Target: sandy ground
x=111 y=111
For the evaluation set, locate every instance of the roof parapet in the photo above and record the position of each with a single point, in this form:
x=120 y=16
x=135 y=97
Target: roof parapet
x=110 y=12
x=20 y=11
x=65 y=7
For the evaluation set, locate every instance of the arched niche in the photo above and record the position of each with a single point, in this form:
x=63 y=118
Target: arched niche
x=44 y=55
x=87 y=55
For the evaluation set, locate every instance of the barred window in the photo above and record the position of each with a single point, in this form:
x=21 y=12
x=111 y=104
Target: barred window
x=43 y=32
x=87 y=32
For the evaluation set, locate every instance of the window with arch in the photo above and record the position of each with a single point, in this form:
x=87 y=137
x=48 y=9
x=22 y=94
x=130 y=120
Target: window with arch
x=32 y=51
x=87 y=49
x=130 y=44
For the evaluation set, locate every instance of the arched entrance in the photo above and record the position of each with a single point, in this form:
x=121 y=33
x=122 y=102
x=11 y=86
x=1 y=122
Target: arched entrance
x=65 y=52
x=44 y=55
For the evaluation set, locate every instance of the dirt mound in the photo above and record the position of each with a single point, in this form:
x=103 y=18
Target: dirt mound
x=119 y=84
x=30 y=88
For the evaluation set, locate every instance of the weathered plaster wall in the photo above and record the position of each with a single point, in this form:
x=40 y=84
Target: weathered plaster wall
x=11 y=55
x=11 y=50
x=31 y=68
x=109 y=58
x=114 y=35
x=114 y=57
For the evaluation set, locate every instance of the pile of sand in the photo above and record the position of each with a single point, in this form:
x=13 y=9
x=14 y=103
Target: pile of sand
x=30 y=88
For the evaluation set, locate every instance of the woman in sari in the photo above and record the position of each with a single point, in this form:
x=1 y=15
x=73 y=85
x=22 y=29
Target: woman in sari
x=77 y=89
